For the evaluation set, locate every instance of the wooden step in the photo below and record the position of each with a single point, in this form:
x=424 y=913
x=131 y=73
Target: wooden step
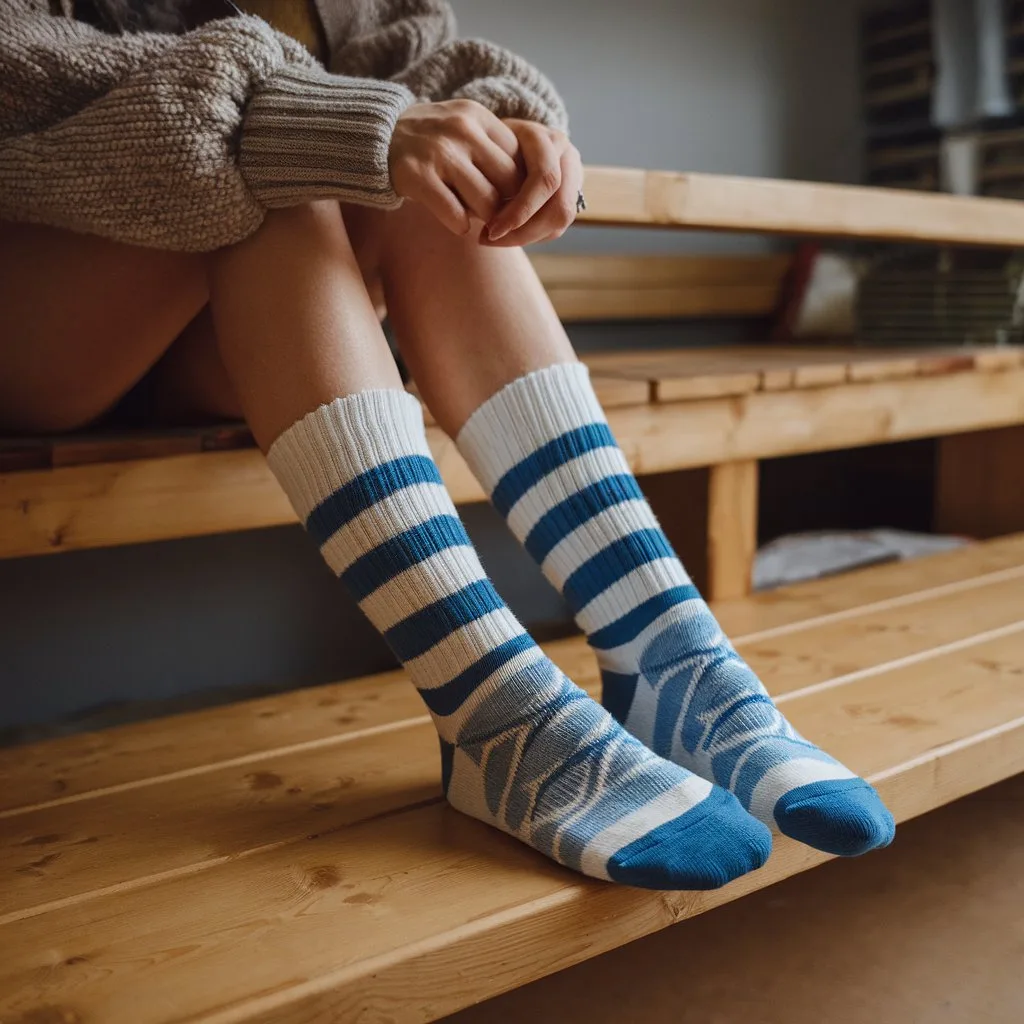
x=670 y=409
x=290 y=859
x=713 y=202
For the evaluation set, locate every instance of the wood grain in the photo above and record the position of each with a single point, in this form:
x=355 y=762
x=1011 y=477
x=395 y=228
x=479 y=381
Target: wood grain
x=379 y=914
x=649 y=287
x=387 y=905
x=43 y=512
x=979 y=489
x=70 y=768
x=732 y=529
x=624 y=196
x=198 y=820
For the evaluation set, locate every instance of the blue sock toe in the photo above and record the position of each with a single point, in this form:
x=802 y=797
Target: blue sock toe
x=845 y=817
x=696 y=851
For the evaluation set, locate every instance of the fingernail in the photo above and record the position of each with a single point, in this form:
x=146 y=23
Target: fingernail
x=493 y=234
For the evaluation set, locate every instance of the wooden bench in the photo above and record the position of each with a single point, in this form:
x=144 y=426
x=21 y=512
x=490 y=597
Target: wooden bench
x=290 y=859
x=714 y=413
x=694 y=423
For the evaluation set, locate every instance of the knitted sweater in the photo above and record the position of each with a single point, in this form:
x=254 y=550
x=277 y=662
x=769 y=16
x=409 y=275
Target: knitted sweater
x=184 y=141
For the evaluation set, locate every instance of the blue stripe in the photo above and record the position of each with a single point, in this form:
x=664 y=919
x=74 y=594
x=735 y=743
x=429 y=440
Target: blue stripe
x=610 y=564
x=426 y=628
x=633 y=623
x=401 y=552
x=366 y=490
x=753 y=698
x=445 y=700
x=524 y=475
x=558 y=522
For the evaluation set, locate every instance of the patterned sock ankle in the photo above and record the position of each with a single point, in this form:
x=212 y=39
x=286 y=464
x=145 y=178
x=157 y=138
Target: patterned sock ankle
x=542 y=448
x=522 y=747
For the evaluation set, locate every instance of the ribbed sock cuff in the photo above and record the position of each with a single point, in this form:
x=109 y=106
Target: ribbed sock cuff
x=334 y=444
x=525 y=415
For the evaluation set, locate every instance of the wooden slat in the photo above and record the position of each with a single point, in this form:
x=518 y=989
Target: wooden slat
x=580 y=304
x=410 y=915
x=732 y=529
x=721 y=203
x=63 y=770
x=557 y=270
x=643 y=287
x=877 y=37
x=57 y=853
x=952 y=889
x=682 y=374
x=920 y=87
x=979 y=490
x=131 y=502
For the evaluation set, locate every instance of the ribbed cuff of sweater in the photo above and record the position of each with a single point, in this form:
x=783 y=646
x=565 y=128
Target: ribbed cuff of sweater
x=311 y=135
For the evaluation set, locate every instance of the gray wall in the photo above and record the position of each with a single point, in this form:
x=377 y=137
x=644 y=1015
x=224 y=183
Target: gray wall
x=759 y=87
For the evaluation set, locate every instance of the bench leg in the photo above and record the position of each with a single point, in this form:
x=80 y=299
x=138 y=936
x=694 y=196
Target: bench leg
x=710 y=516
x=979 y=489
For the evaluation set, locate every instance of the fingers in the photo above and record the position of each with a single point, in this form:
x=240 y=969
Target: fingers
x=479 y=196
x=500 y=169
x=543 y=180
x=433 y=193
x=502 y=136
x=558 y=213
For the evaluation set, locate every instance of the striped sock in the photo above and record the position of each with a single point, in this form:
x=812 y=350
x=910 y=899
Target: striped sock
x=522 y=748
x=542 y=448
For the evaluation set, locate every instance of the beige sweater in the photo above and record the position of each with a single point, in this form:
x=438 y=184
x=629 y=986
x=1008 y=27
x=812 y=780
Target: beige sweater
x=184 y=141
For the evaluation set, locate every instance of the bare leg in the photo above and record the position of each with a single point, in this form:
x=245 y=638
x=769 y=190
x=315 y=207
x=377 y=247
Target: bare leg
x=468 y=319
x=82 y=319
x=295 y=325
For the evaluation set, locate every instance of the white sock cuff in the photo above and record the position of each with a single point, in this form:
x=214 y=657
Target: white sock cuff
x=334 y=444
x=524 y=415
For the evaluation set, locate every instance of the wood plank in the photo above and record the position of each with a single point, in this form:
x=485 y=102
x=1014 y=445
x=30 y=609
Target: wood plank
x=42 y=512
x=895 y=156
x=59 y=853
x=979 y=490
x=923 y=933
x=919 y=88
x=627 y=196
x=64 y=769
x=732 y=529
x=643 y=287
x=874 y=68
x=558 y=270
x=412 y=915
x=888 y=35
x=681 y=374
x=582 y=304
x=664 y=437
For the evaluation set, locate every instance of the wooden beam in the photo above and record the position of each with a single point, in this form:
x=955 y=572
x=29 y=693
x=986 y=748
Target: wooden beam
x=710 y=517
x=77 y=507
x=647 y=287
x=979 y=489
x=622 y=196
x=732 y=529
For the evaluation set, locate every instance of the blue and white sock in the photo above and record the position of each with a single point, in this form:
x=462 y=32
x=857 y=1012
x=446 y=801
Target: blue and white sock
x=542 y=449
x=522 y=748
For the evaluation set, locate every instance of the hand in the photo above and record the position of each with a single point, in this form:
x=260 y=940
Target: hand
x=457 y=159
x=546 y=204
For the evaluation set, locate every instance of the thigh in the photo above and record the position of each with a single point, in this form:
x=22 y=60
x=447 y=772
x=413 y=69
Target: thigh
x=81 y=321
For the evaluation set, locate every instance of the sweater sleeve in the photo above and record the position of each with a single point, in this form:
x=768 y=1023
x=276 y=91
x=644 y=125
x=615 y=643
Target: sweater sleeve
x=477 y=70
x=413 y=42
x=180 y=142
